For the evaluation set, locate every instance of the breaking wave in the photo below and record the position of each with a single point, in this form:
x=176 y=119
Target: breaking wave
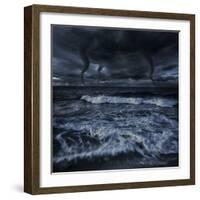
x=99 y=132
x=158 y=101
x=109 y=142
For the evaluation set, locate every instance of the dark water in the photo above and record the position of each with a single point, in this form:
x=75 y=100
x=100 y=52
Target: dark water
x=104 y=129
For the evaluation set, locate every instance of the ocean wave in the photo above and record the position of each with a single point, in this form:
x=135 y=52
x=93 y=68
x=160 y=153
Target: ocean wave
x=94 y=136
x=159 y=101
x=76 y=144
x=91 y=138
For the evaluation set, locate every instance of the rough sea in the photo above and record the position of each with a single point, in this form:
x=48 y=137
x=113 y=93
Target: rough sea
x=114 y=128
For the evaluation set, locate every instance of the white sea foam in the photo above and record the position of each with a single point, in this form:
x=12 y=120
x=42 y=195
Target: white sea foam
x=159 y=101
x=116 y=143
x=90 y=131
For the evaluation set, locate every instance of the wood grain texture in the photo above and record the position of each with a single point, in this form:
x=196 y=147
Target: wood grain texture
x=28 y=161
x=32 y=91
x=192 y=98
x=31 y=100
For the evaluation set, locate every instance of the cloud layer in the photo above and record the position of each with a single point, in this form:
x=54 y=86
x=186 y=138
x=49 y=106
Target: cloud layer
x=113 y=57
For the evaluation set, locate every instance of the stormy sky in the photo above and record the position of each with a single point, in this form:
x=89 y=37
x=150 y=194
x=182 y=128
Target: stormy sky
x=92 y=56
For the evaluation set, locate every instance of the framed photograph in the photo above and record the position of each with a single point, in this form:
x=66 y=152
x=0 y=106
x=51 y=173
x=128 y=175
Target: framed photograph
x=109 y=99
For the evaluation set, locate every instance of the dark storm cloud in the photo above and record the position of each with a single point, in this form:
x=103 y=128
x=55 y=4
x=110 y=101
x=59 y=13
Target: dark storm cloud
x=90 y=56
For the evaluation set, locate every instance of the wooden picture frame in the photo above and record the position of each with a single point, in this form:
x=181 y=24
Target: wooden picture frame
x=32 y=106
